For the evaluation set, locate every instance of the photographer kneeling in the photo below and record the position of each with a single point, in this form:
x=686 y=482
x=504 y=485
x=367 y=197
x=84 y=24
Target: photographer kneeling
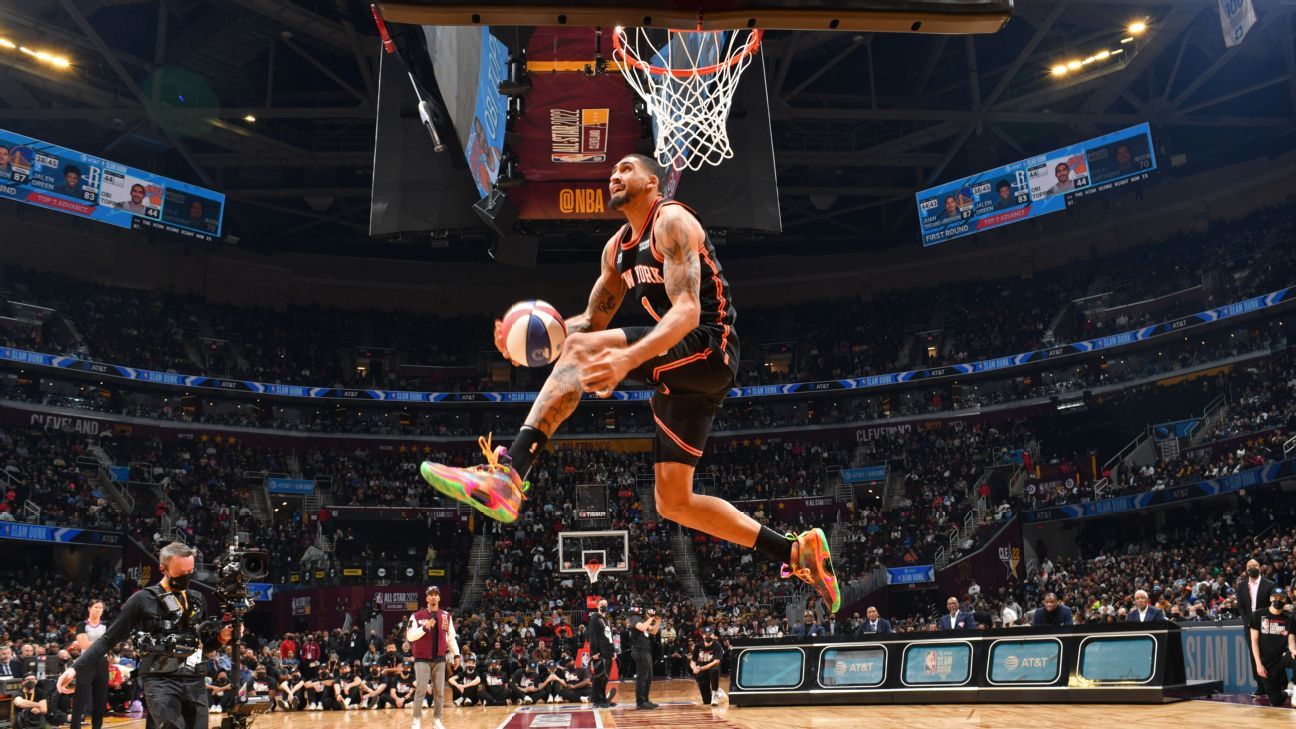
x=30 y=707
x=170 y=626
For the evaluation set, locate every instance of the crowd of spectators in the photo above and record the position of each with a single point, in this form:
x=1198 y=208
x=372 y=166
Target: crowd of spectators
x=815 y=340
x=1190 y=569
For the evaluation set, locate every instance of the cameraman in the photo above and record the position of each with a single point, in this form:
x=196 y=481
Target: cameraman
x=31 y=707
x=641 y=649
x=168 y=612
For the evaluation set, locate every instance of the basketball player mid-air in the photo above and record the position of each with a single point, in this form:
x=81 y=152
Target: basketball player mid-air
x=663 y=259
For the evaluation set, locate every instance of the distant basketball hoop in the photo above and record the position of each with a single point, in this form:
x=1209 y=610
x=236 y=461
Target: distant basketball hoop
x=687 y=79
x=593 y=569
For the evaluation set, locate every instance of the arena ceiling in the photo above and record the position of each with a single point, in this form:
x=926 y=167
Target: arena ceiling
x=860 y=121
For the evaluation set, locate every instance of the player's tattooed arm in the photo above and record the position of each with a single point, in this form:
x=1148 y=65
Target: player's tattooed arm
x=678 y=237
x=605 y=298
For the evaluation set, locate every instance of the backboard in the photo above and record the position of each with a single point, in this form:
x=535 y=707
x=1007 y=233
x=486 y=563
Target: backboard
x=609 y=548
x=879 y=16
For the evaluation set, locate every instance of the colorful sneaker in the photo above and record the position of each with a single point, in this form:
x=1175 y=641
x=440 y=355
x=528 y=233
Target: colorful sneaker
x=493 y=488
x=814 y=566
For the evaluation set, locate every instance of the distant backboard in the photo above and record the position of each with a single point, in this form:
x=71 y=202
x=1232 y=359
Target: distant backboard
x=609 y=548
x=880 y=16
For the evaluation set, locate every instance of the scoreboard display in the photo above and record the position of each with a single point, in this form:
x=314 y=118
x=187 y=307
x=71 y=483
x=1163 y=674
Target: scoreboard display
x=1035 y=186
x=56 y=178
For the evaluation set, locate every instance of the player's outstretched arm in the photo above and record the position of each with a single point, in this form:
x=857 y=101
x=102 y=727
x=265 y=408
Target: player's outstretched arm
x=605 y=298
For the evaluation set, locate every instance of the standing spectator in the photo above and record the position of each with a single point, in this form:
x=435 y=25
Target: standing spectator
x=433 y=640
x=641 y=648
x=1251 y=590
x=601 y=657
x=1273 y=646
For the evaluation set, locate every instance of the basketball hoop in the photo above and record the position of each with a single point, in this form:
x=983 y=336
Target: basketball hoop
x=687 y=79
x=593 y=569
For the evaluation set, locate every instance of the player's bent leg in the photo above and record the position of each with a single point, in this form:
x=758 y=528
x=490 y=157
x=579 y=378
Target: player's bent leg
x=498 y=487
x=708 y=514
x=561 y=392
x=810 y=561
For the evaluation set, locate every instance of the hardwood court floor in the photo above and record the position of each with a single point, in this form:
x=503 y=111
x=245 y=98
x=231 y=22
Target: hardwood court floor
x=681 y=709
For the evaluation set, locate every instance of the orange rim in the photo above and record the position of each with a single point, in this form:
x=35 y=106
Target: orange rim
x=750 y=47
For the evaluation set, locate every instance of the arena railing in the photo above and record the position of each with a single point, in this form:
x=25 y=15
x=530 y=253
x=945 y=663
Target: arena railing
x=1068 y=352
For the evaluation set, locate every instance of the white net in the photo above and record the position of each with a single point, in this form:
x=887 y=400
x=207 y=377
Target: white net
x=687 y=79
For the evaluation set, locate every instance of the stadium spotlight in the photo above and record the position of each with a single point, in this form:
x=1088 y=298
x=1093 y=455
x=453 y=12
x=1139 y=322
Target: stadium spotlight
x=1127 y=39
x=249 y=118
x=1137 y=27
x=1059 y=70
x=1073 y=65
x=60 y=62
x=6 y=43
x=1102 y=55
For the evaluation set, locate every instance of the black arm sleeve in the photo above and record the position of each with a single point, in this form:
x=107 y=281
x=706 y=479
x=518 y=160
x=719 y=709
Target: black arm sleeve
x=132 y=614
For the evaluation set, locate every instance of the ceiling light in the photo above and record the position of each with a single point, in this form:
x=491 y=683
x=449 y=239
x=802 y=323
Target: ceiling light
x=249 y=118
x=1100 y=55
x=6 y=43
x=1073 y=65
x=1137 y=27
x=1118 y=50
x=1059 y=70
x=27 y=50
x=1128 y=39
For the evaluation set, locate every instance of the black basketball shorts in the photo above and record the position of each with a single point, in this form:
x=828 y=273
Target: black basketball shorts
x=692 y=380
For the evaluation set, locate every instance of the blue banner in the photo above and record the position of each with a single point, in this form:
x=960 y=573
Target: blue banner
x=1036 y=186
x=1264 y=475
x=911 y=575
x=1177 y=429
x=261 y=591
x=1025 y=661
x=1117 y=660
x=1175 y=326
x=57 y=535
x=771 y=669
x=865 y=474
x=119 y=474
x=1218 y=652
x=854 y=667
x=291 y=486
x=486 y=138
x=56 y=178
x=928 y=664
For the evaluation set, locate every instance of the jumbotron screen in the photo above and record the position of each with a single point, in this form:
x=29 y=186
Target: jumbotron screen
x=1035 y=186
x=56 y=178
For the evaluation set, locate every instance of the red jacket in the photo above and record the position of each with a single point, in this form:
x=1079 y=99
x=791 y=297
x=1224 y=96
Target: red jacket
x=439 y=642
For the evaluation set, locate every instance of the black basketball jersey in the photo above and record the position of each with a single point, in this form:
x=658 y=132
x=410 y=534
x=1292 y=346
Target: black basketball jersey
x=640 y=265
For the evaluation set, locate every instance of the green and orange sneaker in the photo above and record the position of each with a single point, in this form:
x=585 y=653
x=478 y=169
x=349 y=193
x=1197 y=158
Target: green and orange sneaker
x=492 y=488
x=813 y=565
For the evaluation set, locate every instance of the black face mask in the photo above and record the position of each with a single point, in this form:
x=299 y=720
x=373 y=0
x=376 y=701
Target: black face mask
x=180 y=583
x=1254 y=572
x=1276 y=604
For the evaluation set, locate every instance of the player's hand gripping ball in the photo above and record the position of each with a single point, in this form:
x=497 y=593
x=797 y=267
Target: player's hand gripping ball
x=531 y=334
